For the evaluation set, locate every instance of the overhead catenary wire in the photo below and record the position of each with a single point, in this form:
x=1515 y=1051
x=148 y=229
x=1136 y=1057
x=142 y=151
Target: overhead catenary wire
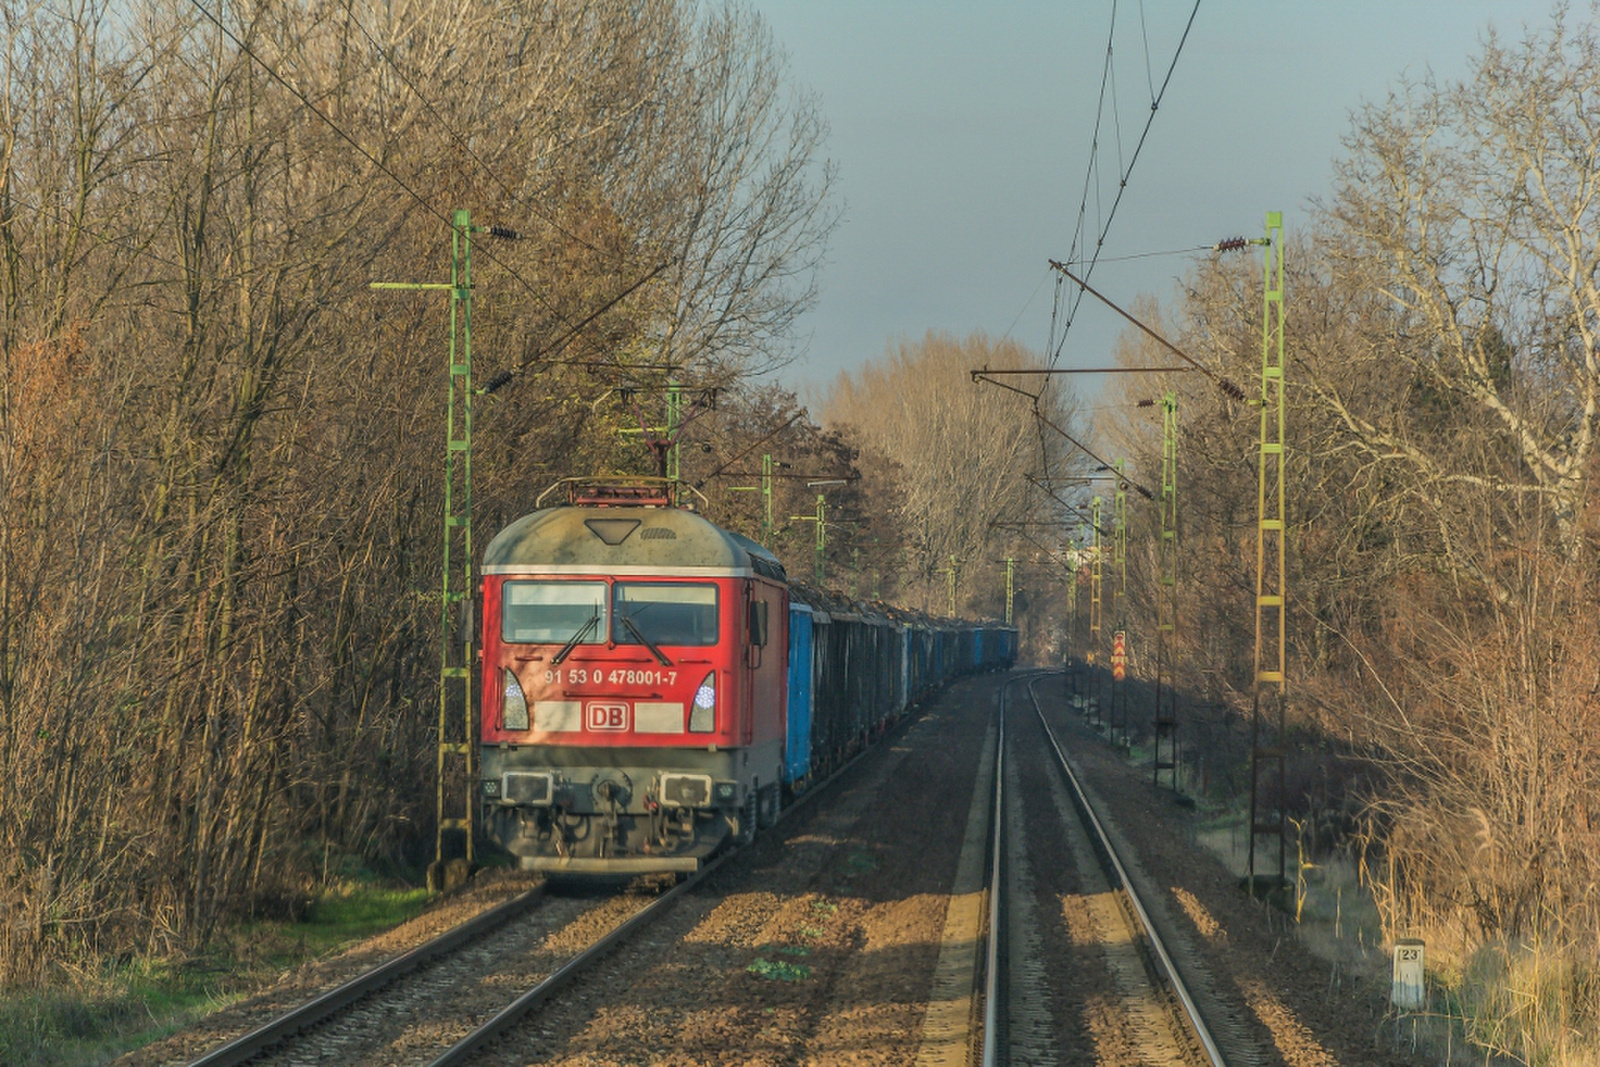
x=1122 y=178
x=404 y=186
x=1099 y=116
x=540 y=355
x=1090 y=453
x=1066 y=568
x=1049 y=491
x=758 y=443
x=1025 y=306
x=1145 y=403
x=1188 y=251
x=494 y=383
x=1144 y=33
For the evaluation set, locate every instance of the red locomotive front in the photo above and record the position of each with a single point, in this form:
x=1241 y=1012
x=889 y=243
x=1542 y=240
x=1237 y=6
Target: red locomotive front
x=634 y=661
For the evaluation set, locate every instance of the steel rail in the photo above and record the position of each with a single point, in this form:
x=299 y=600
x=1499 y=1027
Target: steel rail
x=510 y=1015
x=246 y=1047
x=991 y=966
x=1103 y=842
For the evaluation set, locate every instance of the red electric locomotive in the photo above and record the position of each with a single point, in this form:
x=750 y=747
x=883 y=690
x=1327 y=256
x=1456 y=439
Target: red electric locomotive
x=634 y=683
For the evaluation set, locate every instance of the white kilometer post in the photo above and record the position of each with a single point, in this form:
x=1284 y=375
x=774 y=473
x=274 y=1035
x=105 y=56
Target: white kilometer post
x=1406 y=993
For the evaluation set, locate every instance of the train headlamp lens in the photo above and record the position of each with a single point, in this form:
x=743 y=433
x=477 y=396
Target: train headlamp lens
x=514 y=709
x=703 y=714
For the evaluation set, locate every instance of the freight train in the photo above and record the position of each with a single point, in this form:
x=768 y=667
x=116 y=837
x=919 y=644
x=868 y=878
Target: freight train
x=654 y=687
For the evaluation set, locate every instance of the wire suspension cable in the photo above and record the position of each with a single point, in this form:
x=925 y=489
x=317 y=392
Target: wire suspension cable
x=1053 y=346
x=716 y=473
x=1223 y=383
x=1086 y=450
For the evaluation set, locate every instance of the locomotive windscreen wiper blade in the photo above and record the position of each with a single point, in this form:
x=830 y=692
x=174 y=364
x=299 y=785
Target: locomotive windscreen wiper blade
x=661 y=657
x=572 y=642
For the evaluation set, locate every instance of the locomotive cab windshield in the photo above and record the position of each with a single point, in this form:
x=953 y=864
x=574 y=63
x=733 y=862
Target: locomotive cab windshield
x=546 y=612
x=664 y=613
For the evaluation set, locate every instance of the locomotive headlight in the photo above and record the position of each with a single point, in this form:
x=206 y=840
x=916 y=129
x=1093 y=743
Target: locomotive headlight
x=514 y=708
x=703 y=713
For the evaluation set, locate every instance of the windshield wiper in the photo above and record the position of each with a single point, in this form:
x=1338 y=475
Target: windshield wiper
x=661 y=657
x=572 y=642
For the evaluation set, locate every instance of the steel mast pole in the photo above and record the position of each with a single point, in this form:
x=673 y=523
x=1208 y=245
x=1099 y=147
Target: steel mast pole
x=674 y=418
x=1074 y=668
x=1096 y=570
x=458 y=529
x=1118 y=719
x=822 y=536
x=766 y=499
x=1011 y=586
x=456 y=637
x=1166 y=717
x=1268 y=740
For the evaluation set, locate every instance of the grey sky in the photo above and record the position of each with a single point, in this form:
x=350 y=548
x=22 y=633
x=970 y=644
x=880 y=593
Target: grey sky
x=962 y=134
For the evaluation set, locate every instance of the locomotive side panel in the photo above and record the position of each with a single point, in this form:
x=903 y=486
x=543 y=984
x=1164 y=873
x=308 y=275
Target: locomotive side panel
x=766 y=663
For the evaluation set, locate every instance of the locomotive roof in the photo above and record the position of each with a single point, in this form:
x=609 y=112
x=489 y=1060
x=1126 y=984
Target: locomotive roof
x=592 y=540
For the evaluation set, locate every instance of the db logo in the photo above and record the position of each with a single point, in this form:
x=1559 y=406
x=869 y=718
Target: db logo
x=599 y=716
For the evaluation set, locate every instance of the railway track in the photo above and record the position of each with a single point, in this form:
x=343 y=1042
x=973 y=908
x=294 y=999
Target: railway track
x=519 y=968
x=437 y=995
x=1076 y=970
x=413 y=1008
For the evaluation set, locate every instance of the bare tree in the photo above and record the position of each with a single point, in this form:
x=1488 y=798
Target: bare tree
x=219 y=449
x=964 y=452
x=1470 y=210
x=758 y=199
